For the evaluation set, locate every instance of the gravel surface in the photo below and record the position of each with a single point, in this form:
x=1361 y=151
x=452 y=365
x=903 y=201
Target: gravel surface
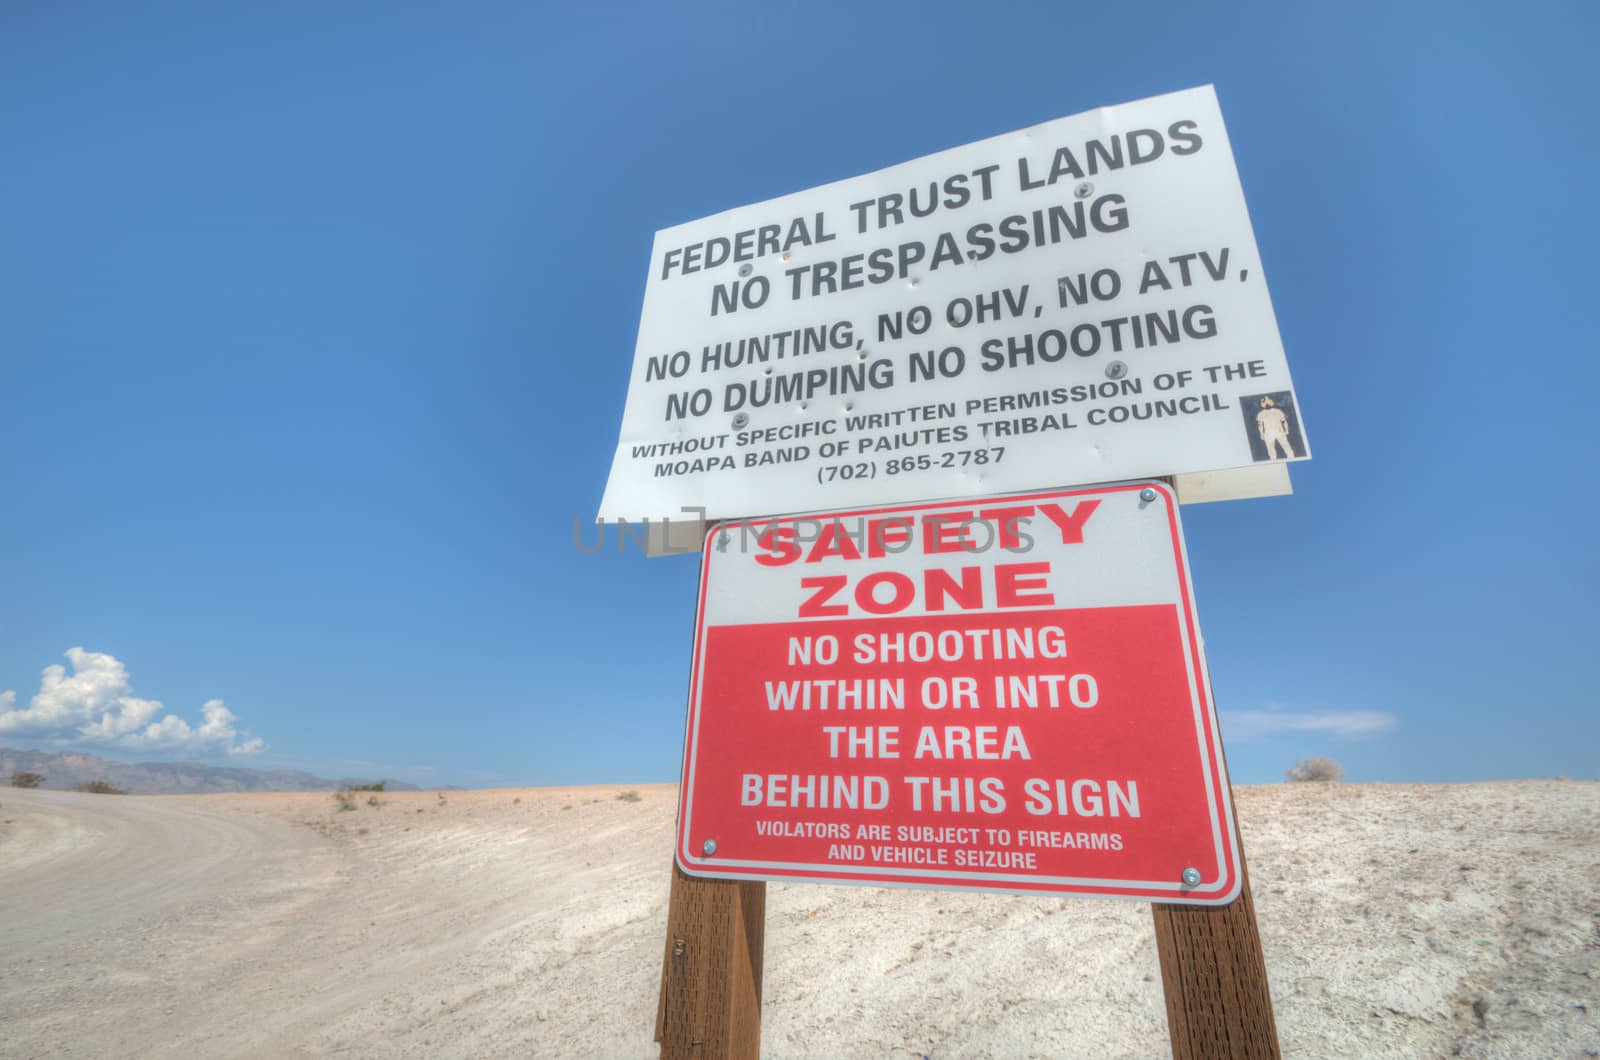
x=1398 y=921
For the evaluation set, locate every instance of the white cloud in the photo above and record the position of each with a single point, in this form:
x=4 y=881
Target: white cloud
x=93 y=705
x=1346 y=724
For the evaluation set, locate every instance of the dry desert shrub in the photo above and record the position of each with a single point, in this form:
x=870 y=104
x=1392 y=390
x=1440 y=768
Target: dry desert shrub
x=24 y=779
x=1323 y=770
x=628 y=796
x=345 y=799
x=98 y=787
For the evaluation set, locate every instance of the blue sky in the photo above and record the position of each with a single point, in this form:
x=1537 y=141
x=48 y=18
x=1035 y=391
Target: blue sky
x=317 y=323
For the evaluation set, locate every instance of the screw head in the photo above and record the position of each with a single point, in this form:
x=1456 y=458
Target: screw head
x=1084 y=190
x=741 y=420
x=1147 y=495
x=1191 y=877
x=745 y=269
x=1116 y=370
x=710 y=847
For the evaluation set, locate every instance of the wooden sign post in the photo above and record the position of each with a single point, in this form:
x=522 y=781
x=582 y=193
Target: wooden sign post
x=1212 y=971
x=1214 y=974
x=1215 y=979
x=710 y=1002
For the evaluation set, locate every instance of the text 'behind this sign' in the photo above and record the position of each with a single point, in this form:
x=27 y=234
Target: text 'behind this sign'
x=1077 y=302
x=1004 y=694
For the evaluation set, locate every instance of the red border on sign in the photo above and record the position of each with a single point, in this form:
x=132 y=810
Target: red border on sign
x=1213 y=892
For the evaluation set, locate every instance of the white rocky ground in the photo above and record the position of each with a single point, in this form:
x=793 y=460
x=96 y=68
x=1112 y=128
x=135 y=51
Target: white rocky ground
x=1398 y=921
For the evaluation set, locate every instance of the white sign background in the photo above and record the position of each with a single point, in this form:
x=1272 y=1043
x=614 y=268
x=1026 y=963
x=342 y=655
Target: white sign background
x=1163 y=404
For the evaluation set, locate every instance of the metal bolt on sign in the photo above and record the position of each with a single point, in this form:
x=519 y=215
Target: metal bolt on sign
x=709 y=846
x=1116 y=370
x=1147 y=495
x=1191 y=877
x=741 y=420
x=1084 y=190
x=745 y=269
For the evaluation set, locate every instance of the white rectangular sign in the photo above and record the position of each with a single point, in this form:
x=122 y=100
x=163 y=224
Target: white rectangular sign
x=1077 y=302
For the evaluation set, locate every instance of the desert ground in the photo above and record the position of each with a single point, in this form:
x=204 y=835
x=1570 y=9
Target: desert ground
x=1397 y=921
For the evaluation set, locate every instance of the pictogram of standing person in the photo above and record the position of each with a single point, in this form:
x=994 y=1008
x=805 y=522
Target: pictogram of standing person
x=1273 y=426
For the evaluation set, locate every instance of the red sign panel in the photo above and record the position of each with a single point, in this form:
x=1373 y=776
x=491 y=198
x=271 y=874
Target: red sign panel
x=999 y=694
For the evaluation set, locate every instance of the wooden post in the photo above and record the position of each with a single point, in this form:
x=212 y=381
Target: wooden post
x=1213 y=971
x=1215 y=978
x=709 y=1005
x=710 y=1002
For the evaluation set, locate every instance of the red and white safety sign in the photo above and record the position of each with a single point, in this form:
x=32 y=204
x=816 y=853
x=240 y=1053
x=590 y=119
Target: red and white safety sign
x=999 y=694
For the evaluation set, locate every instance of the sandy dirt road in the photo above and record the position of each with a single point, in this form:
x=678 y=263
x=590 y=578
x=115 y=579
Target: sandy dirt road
x=124 y=922
x=1398 y=921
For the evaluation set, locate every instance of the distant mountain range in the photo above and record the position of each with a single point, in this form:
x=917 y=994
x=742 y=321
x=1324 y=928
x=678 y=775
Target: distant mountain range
x=68 y=769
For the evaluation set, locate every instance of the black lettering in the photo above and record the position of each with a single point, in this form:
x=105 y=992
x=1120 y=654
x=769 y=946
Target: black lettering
x=1178 y=133
x=1135 y=156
